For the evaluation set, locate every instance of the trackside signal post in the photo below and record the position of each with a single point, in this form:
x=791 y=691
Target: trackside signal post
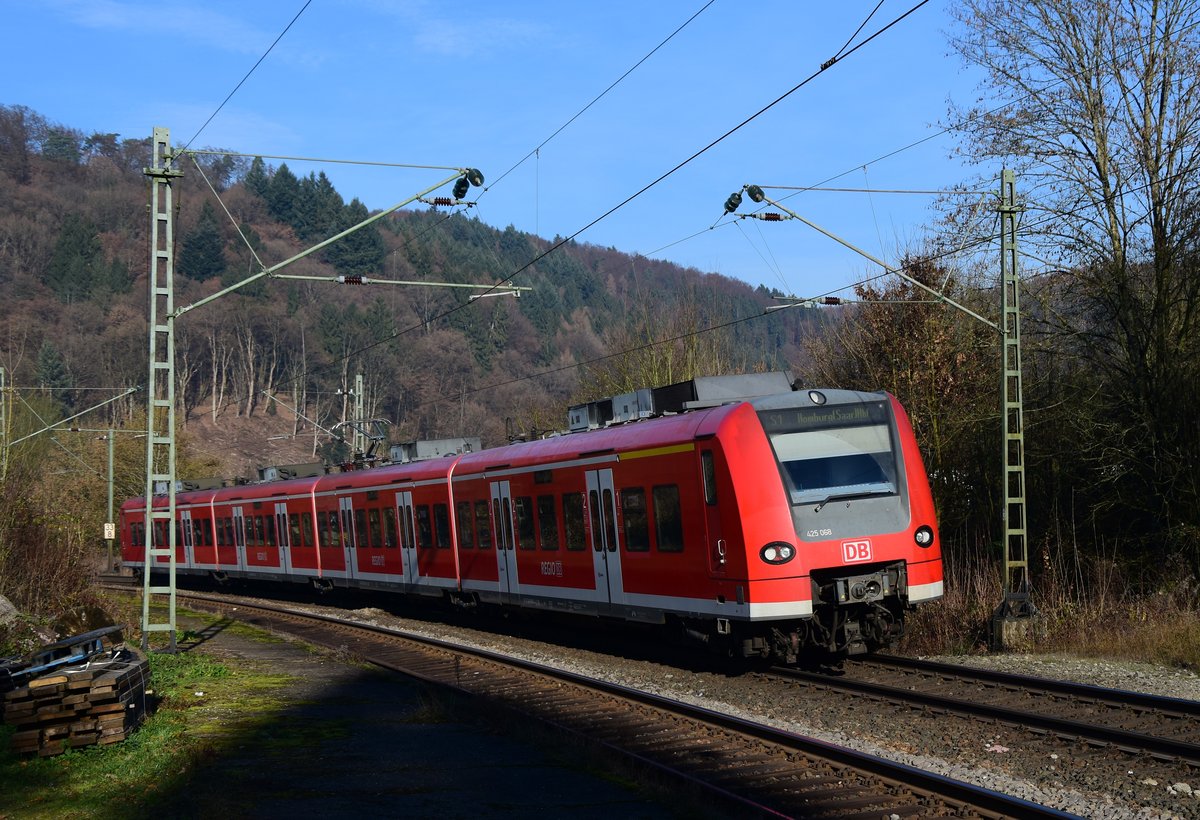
x=1011 y=621
x=160 y=416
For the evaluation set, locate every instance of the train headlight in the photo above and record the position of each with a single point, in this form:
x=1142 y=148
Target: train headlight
x=777 y=552
x=923 y=536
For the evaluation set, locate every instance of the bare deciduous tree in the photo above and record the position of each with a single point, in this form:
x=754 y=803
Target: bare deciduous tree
x=1102 y=121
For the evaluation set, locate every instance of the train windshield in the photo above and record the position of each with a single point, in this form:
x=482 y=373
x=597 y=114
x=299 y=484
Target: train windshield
x=833 y=452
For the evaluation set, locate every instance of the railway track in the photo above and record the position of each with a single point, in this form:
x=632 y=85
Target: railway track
x=1132 y=723
x=755 y=770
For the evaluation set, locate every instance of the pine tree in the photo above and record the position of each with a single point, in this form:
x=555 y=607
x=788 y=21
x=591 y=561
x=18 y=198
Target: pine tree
x=256 y=180
x=363 y=251
x=52 y=374
x=76 y=260
x=319 y=206
x=203 y=253
x=283 y=195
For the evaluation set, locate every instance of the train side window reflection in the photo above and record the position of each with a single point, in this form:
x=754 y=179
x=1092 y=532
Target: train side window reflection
x=424 y=527
x=523 y=506
x=391 y=532
x=441 y=520
x=360 y=528
x=547 y=523
x=306 y=529
x=668 y=519
x=483 y=524
x=637 y=524
x=573 y=521
x=466 y=525
x=375 y=527
x=709 y=470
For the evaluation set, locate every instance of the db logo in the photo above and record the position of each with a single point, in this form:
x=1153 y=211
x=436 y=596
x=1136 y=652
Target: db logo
x=854 y=551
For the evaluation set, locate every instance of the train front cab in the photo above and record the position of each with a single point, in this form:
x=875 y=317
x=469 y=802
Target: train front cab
x=862 y=512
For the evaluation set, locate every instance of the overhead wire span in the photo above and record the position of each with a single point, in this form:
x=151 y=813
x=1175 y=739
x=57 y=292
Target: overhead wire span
x=242 y=81
x=211 y=152
x=598 y=97
x=555 y=246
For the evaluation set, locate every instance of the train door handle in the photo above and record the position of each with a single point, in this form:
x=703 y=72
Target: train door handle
x=720 y=550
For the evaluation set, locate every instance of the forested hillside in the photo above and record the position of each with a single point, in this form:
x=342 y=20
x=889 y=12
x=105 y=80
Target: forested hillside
x=73 y=262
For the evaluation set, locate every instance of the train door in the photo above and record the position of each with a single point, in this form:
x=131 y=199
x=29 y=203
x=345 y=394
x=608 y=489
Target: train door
x=346 y=506
x=602 y=516
x=408 y=537
x=283 y=537
x=506 y=556
x=185 y=529
x=239 y=537
x=718 y=558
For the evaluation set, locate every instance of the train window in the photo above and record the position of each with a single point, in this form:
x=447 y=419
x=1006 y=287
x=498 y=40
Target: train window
x=668 y=518
x=594 y=509
x=505 y=524
x=327 y=521
x=573 y=521
x=137 y=534
x=709 y=470
x=269 y=530
x=347 y=528
x=637 y=522
x=466 y=525
x=179 y=533
x=392 y=537
x=256 y=531
x=375 y=527
x=611 y=522
x=220 y=532
x=361 y=535
x=306 y=529
x=424 y=527
x=410 y=539
x=160 y=533
x=230 y=540
x=547 y=523
x=294 y=529
x=831 y=452
x=483 y=525
x=197 y=532
x=441 y=521
x=524 y=508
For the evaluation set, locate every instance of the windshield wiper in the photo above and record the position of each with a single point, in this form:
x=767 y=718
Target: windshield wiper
x=851 y=497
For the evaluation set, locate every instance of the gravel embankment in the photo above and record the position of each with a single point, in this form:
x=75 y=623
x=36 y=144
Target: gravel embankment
x=1060 y=774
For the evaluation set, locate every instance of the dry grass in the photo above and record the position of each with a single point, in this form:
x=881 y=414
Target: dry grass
x=1085 y=606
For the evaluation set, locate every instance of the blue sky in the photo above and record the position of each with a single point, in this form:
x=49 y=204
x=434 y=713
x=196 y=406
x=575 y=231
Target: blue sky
x=483 y=84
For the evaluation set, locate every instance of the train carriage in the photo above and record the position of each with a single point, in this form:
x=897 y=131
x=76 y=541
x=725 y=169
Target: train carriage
x=757 y=519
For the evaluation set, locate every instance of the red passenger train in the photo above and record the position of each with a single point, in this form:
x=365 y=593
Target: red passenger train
x=759 y=520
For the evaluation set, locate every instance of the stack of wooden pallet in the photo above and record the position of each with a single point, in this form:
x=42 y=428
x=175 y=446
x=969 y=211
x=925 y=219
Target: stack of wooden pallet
x=99 y=701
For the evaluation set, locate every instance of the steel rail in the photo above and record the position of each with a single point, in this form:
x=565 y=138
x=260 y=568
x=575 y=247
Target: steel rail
x=1122 y=739
x=952 y=791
